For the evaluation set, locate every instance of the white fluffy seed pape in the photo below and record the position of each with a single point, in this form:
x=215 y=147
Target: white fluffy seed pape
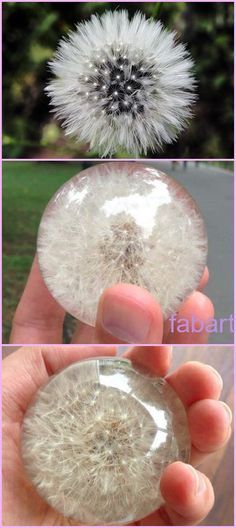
x=122 y=84
x=97 y=438
x=121 y=223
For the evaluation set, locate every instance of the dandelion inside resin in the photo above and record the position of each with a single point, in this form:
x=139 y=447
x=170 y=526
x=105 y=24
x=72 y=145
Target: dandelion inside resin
x=121 y=222
x=97 y=438
x=121 y=83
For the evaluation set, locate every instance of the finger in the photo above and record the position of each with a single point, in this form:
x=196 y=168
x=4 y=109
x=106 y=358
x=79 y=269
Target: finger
x=86 y=334
x=83 y=333
x=188 y=494
x=38 y=318
x=189 y=325
x=128 y=314
x=195 y=381
x=156 y=359
x=204 y=280
x=33 y=366
x=209 y=425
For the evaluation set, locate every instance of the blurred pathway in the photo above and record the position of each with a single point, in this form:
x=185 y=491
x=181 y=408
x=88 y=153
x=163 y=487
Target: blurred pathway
x=212 y=188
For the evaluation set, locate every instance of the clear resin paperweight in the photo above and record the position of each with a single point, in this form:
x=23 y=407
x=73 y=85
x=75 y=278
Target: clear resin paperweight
x=97 y=438
x=121 y=222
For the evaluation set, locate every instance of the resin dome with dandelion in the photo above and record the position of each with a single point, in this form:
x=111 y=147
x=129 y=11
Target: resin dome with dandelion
x=121 y=222
x=97 y=438
x=122 y=84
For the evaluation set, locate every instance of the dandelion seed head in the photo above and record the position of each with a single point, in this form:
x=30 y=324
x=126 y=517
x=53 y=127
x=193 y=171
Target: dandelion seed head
x=121 y=223
x=93 y=465
x=139 y=69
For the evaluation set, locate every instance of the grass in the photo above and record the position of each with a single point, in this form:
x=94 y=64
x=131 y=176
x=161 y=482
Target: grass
x=27 y=188
x=228 y=165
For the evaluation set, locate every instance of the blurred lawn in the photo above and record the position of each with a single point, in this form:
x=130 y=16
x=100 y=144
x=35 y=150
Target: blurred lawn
x=27 y=188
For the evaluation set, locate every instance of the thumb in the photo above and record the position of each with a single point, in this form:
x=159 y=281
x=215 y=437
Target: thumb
x=128 y=314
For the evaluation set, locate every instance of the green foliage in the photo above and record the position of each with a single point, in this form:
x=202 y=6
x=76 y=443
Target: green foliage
x=31 y=33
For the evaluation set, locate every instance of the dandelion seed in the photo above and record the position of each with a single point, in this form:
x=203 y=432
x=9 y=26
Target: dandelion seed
x=157 y=72
x=104 y=479
x=145 y=230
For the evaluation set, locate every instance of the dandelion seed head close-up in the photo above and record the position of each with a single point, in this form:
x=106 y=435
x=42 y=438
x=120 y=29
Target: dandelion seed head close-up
x=121 y=222
x=97 y=438
x=122 y=83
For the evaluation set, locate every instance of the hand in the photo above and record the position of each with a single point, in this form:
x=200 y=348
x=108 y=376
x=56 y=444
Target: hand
x=188 y=494
x=126 y=314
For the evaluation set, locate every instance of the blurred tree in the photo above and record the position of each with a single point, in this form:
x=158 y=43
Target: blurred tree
x=31 y=32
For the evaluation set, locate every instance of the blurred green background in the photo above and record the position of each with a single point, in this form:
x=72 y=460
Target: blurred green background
x=29 y=185
x=31 y=32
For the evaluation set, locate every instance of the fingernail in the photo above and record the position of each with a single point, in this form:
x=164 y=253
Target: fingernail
x=123 y=323
x=200 y=484
x=228 y=411
x=217 y=375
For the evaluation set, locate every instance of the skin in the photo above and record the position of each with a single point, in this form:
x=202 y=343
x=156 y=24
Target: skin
x=126 y=314
x=188 y=494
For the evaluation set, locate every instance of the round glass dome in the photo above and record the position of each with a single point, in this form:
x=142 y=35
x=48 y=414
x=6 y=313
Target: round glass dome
x=121 y=222
x=97 y=437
